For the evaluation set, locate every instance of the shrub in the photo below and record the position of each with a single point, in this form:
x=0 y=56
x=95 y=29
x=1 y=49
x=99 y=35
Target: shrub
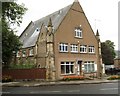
x=68 y=78
x=22 y=66
x=7 y=78
x=115 y=77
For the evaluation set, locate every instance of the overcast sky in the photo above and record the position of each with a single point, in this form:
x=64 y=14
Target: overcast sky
x=102 y=14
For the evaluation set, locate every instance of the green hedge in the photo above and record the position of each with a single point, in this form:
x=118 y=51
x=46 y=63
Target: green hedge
x=22 y=66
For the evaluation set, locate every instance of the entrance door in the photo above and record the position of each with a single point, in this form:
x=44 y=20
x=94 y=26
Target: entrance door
x=79 y=67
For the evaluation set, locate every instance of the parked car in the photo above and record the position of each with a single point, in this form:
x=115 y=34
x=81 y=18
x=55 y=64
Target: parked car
x=112 y=71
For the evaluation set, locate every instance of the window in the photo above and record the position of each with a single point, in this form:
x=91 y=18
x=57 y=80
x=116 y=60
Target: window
x=31 y=52
x=63 y=47
x=74 y=48
x=23 y=53
x=91 y=49
x=78 y=33
x=83 y=48
x=18 y=54
x=89 y=66
x=67 y=67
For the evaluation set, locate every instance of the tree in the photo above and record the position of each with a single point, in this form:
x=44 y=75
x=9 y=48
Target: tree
x=108 y=52
x=11 y=14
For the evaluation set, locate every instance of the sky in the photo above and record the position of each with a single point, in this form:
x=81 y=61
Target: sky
x=101 y=14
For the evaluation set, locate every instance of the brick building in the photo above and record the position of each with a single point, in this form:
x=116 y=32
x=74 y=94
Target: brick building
x=63 y=43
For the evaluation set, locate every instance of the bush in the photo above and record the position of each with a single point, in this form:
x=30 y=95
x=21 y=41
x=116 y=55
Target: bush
x=115 y=77
x=22 y=66
x=68 y=78
x=7 y=78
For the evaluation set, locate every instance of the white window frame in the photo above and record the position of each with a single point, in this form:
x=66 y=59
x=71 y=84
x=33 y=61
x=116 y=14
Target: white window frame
x=91 y=49
x=63 y=47
x=89 y=66
x=24 y=53
x=31 y=52
x=18 y=54
x=65 y=64
x=83 y=48
x=78 y=33
x=74 y=48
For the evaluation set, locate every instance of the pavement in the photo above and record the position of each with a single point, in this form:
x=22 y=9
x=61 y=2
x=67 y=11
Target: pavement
x=37 y=83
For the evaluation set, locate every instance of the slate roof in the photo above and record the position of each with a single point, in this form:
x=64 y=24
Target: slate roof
x=30 y=34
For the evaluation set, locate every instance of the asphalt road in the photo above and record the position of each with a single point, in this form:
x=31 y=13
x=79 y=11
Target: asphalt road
x=103 y=88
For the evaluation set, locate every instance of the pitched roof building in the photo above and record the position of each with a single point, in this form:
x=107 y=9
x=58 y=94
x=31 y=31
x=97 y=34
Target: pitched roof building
x=63 y=43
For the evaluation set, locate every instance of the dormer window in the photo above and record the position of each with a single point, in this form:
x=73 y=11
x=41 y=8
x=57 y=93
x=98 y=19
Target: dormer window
x=37 y=29
x=24 y=53
x=78 y=32
x=18 y=54
x=31 y=52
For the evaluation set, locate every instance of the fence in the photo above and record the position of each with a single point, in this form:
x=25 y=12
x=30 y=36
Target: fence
x=36 y=73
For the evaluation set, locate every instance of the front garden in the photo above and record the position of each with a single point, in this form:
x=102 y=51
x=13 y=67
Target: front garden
x=114 y=77
x=68 y=78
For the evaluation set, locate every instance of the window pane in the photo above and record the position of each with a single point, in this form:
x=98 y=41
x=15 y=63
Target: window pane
x=62 y=69
x=66 y=48
x=67 y=63
x=92 y=67
x=60 y=48
x=67 y=69
x=85 y=67
x=71 y=68
x=62 y=62
x=24 y=53
x=30 y=52
x=89 y=68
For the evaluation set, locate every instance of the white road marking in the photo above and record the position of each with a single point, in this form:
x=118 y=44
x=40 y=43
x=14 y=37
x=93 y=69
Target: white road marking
x=74 y=91
x=110 y=83
x=4 y=92
x=109 y=89
x=26 y=85
x=56 y=91
x=37 y=92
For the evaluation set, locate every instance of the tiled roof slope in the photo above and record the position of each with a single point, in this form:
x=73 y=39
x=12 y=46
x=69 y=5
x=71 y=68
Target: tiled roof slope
x=30 y=34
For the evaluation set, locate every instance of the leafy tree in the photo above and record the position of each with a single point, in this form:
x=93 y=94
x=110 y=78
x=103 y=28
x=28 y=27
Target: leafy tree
x=11 y=14
x=108 y=52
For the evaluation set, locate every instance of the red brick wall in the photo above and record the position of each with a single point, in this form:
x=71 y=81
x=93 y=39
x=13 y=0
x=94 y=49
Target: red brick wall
x=36 y=73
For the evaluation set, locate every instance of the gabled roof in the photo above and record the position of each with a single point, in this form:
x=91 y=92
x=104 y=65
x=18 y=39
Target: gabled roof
x=31 y=33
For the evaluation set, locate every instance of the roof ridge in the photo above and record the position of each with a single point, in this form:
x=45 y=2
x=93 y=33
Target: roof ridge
x=53 y=12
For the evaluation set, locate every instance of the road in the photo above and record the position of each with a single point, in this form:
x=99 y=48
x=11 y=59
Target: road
x=103 y=88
